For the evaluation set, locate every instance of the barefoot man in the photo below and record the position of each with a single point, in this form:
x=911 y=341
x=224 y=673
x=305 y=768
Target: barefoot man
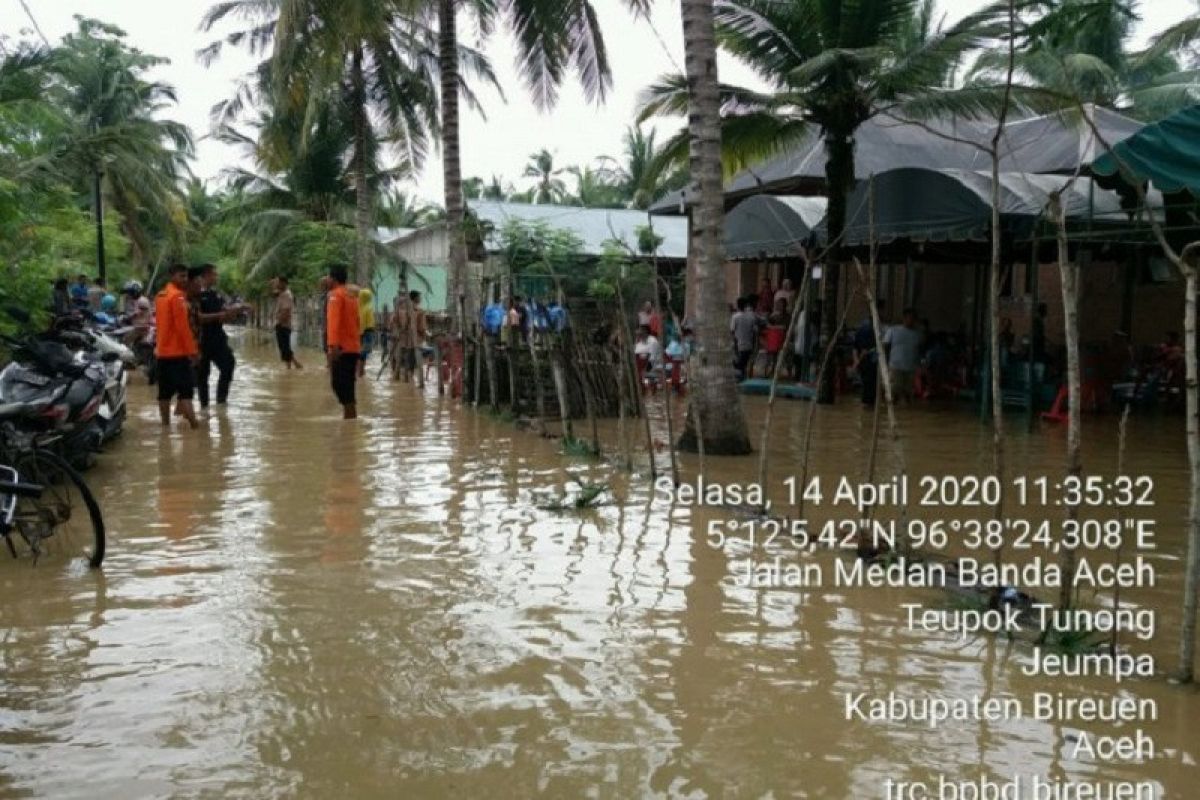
x=285 y=307
x=343 y=340
x=175 y=349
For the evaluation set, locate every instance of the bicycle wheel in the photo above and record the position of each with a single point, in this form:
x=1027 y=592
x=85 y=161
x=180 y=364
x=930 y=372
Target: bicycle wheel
x=65 y=522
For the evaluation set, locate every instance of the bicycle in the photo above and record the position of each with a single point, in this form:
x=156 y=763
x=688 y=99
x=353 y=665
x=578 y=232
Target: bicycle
x=44 y=500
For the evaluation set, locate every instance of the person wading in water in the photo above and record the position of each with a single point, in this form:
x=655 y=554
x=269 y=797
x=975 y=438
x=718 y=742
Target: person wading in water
x=214 y=342
x=342 y=340
x=285 y=308
x=175 y=349
x=411 y=329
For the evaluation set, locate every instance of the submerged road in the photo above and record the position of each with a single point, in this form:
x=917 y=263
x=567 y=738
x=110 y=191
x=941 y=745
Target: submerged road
x=294 y=606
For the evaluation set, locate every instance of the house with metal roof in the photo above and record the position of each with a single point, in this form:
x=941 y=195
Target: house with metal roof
x=426 y=250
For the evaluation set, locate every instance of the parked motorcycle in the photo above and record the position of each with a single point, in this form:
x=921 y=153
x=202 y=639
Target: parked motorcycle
x=92 y=345
x=68 y=389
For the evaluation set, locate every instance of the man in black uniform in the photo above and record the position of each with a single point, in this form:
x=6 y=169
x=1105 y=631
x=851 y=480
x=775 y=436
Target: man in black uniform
x=214 y=343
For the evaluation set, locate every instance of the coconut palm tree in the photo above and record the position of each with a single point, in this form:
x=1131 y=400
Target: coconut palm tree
x=23 y=75
x=295 y=209
x=832 y=67
x=398 y=209
x=1180 y=38
x=376 y=59
x=551 y=38
x=113 y=139
x=645 y=176
x=715 y=422
x=1082 y=50
x=598 y=186
x=548 y=187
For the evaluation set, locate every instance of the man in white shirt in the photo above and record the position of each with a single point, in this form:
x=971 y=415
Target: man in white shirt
x=903 y=343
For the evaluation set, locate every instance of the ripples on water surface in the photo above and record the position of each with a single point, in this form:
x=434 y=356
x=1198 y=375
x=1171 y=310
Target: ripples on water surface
x=297 y=607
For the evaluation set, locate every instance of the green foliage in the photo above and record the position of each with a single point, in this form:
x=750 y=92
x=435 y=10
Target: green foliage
x=618 y=268
x=588 y=496
x=543 y=258
x=579 y=448
x=1082 y=50
x=648 y=240
x=830 y=69
x=44 y=235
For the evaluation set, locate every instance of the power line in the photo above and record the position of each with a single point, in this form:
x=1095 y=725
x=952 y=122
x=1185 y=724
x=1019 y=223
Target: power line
x=36 y=27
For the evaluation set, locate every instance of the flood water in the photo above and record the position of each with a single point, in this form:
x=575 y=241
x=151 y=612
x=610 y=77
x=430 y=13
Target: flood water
x=293 y=606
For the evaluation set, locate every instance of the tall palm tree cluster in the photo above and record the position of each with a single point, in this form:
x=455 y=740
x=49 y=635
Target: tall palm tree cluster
x=82 y=125
x=396 y=72
x=635 y=180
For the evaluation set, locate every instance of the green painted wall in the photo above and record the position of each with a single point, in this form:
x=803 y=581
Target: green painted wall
x=433 y=296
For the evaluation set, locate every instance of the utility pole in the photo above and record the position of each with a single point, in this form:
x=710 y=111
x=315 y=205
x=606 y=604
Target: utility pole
x=98 y=210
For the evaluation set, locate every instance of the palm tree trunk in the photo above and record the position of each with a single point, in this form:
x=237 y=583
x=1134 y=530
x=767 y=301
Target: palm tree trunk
x=714 y=396
x=839 y=178
x=362 y=189
x=451 y=163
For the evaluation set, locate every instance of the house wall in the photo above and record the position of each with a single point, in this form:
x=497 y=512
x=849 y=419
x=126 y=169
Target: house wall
x=947 y=295
x=428 y=279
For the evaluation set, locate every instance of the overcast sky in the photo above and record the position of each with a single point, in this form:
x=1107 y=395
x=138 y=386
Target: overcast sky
x=576 y=132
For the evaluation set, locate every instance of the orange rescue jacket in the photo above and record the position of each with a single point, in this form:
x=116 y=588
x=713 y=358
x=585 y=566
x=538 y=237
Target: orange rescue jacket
x=174 y=335
x=341 y=322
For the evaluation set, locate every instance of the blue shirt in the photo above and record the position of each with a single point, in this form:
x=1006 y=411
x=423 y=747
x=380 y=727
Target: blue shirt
x=493 y=317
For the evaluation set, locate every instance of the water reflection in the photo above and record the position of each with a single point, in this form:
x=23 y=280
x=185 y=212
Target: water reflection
x=294 y=606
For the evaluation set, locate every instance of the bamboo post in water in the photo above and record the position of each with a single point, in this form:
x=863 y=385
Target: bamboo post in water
x=489 y=358
x=666 y=387
x=826 y=356
x=886 y=381
x=696 y=419
x=477 y=355
x=618 y=369
x=631 y=370
x=995 y=283
x=558 y=372
x=793 y=319
x=1122 y=429
x=589 y=404
x=539 y=394
x=1070 y=296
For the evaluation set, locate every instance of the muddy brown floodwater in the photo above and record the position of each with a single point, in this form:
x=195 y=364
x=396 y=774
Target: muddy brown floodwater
x=297 y=607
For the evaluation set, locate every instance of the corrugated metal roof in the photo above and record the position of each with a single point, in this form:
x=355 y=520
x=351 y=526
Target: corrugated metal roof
x=593 y=226
x=389 y=235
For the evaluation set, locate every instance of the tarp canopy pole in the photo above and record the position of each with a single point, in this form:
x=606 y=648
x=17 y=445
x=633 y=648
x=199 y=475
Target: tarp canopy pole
x=1031 y=382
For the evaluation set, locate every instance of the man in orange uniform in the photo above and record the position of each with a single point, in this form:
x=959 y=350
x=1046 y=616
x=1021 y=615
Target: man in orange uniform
x=175 y=348
x=343 y=340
